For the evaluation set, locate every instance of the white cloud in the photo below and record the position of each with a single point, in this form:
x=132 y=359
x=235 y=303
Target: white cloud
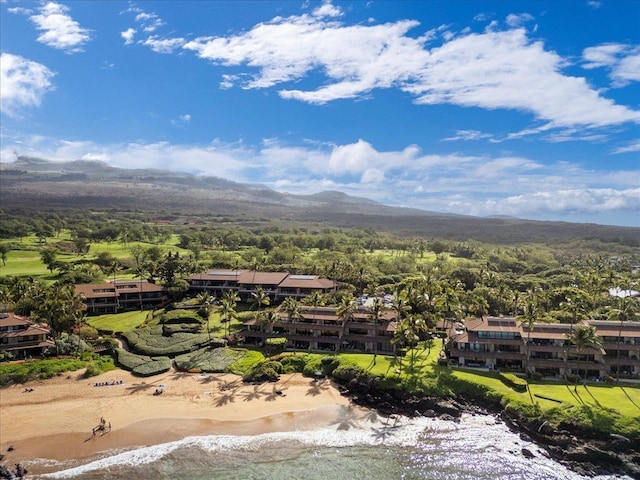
x=468 y=135
x=24 y=83
x=632 y=147
x=60 y=31
x=493 y=69
x=166 y=45
x=622 y=61
x=128 y=35
x=517 y=20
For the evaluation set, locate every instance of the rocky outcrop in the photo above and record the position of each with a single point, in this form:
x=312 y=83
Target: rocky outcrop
x=583 y=450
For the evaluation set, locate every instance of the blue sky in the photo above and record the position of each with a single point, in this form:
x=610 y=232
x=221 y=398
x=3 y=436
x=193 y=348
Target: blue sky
x=527 y=109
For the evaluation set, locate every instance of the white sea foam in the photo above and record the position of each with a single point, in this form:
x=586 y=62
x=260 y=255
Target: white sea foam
x=474 y=434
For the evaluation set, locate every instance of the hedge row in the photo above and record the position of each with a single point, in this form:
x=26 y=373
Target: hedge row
x=180 y=316
x=142 y=365
x=150 y=341
x=216 y=360
x=513 y=381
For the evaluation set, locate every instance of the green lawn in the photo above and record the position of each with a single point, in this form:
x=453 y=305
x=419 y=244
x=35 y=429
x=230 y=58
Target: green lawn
x=118 y=322
x=625 y=400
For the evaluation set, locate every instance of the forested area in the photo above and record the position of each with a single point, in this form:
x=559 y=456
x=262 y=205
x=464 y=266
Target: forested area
x=437 y=278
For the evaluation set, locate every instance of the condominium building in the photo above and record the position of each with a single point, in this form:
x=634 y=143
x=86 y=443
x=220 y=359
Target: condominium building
x=277 y=285
x=321 y=329
x=121 y=295
x=506 y=343
x=22 y=337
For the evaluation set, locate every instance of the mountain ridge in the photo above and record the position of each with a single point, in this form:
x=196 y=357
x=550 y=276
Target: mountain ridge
x=93 y=184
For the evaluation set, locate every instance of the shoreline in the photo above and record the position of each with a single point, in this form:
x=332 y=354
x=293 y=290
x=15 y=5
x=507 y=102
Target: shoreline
x=54 y=421
x=584 y=451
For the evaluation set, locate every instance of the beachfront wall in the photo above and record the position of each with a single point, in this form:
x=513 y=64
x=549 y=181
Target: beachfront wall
x=507 y=344
x=321 y=329
x=22 y=337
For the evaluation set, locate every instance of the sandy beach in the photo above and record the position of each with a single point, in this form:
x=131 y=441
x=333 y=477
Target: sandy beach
x=56 y=418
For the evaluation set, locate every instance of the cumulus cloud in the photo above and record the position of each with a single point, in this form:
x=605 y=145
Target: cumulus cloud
x=24 y=83
x=59 y=30
x=128 y=35
x=492 y=69
x=622 y=61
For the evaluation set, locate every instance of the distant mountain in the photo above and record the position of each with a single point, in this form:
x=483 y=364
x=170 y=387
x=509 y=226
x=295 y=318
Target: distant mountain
x=38 y=183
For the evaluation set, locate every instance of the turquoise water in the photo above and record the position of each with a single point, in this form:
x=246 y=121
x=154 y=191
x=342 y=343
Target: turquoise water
x=478 y=447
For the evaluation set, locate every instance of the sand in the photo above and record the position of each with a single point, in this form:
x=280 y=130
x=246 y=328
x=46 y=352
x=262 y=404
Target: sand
x=55 y=420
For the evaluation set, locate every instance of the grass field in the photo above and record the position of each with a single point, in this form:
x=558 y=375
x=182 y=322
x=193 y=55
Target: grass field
x=118 y=322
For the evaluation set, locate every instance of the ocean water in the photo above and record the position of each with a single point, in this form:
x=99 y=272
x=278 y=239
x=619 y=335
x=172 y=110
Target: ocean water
x=478 y=447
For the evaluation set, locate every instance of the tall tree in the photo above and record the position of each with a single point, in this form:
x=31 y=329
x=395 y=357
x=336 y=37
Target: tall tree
x=206 y=301
x=626 y=310
x=584 y=337
x=346 y=309
x=228 y=311
x=375 y=314
x=530 y=313
x=260 y=299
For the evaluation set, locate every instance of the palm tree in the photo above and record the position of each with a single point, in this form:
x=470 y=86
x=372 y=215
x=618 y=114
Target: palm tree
x=584 y=337
x=292 y=308
x=268 y=319
x=228 y=309
x=415 y=326
x=206 y=302
x=627 y=310
x=375 y=314
x=260 y=298
x=346 y=309
x=574 y=305
x=530 y=312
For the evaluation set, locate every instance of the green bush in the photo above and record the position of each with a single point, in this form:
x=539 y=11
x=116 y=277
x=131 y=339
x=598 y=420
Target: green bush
x=154 y=367
x=40 y=369
x=141 y=364
x=346 y=372
x=98 y=366
x=208 y=360
x=244 y=365
x=180 y=316
x=150 y=341
x=513 y=381
x=292 y=363
x=268 y=371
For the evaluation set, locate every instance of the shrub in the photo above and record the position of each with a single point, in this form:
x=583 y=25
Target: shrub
x=244 y=365
x=513 y=381
x=154 y=367
x=141 y=364
x=180 y=316
x=67 y=344
x=293 y=363
x=208 y=360
x=347 y=372
x=268 y=371
x=150 y=341
x=41 y=369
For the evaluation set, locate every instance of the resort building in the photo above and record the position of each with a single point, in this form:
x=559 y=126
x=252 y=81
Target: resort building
x=506 y=343
x=277 y=285
x=321 y=329
x=121 y=295
x=22 y=337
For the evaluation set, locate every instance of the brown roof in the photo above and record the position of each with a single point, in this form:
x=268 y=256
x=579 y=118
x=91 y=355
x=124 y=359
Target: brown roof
x=109 y=289
x=250 y=277
x=217 y=274
x=506 y=324
x=307 y=281
x=11 y=320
